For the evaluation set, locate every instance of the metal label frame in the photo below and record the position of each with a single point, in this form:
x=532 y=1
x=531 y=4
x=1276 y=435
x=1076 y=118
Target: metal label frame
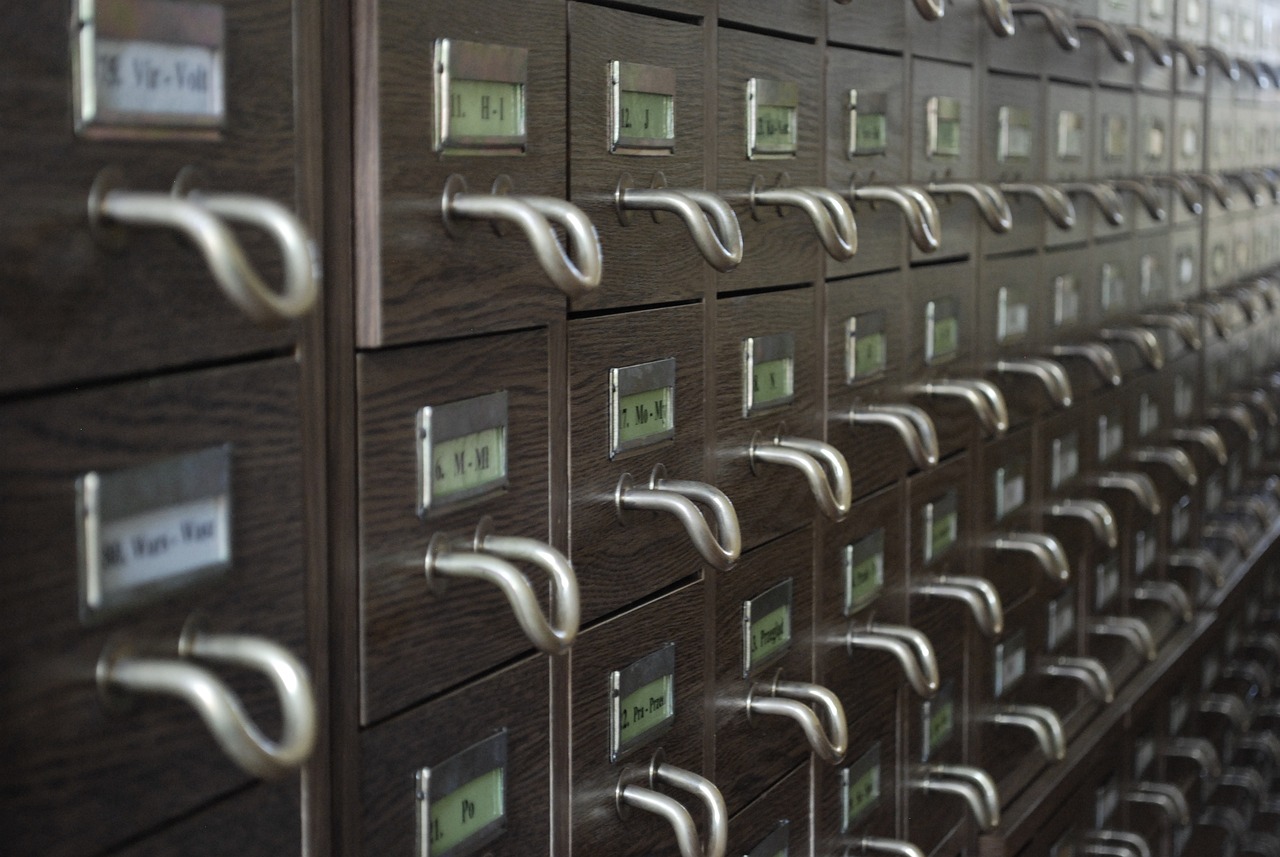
x=867 y=104
x=944 y=698
x=627 y=381
x=939 y=109
x=439 y=781
x=769 y=601
x=1071 y=134
x=168 y=23
x=867 y=763
x=1015 y=469
x=650 y=80
x=776 y=844
x=128 y=495
x=441 y=423
x=772 y=93
x=1061 y=619
x=622 y=683
x=1018 y=298
x=1012 y=648
x=1064 y=463
x=938 y=312
x=757 y=350
x=456 y=59
x=1008 y=120
x=1066 y=299
x=948 y=505
x=870 y=546
x=1115 y=137
x=866 y=324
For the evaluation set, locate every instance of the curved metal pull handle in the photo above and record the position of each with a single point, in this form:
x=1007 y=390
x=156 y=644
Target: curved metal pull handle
x=1201 y=561
x=1227 y=819
x=912 y=649
x=1055 y=203
x=923 y=223
x=1131 y=629
x=1129 y=843
x=1088 y=671
x=1260 y=402
x=880 y=845
x=974 y=785
x=1260 y=842
x=1188 y=191
x=1050 y=374
x=976 y=593
x=931 y=10
x=1100 y=357
x=985 y=398
x=573 y=271
x=678 y=497
x=485 y=557
x=1137 y=484
x=831 y=216
x=1237 y=535
x=1161 y=53
x=1115 y=37
x=991 y=203
x=1255 y=71
x=1042 y=721
x=1267 y=641
x=1060 y=24
x=1238 y=415
x=1171 y=457
x=1247 y=779
x=1046 y=549
x=1251 y=672
x=720 y=245
x=1139 y=337
x=1095 y=513
x=1215 y=185
x=1169 y=594
x=200 y=217
x=822 y=465
x=1145 y=193
x=639 y=797
x=1200 y=751
x=999 y=15
x=1183 y=324
x=1255 y=506
x=1251 y=300
x=1265 y=743
x=1215 y=311
x=1167 y=797
x=1104 y=196
x=1252 y=187
x=1195 y=59
x=793 y=699
x=1225 y=64
x=912 y=424
x=219 y=707
x=1204 y=436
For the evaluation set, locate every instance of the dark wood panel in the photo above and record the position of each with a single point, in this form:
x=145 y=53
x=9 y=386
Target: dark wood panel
x=263 y=820
x=515 y=700
x=954 y=37
x=68 y=758
x=413 y=280
x=789 y=17
x=1001 y=91
x=868 y=23
x=406 y=626
x=71 y=310
x=788 y=801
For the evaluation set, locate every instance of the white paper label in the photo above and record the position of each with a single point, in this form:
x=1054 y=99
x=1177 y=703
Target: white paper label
x=152 y=78
x=166 y=542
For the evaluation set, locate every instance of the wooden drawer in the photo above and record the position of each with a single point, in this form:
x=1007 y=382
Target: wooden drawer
x=116 y=773
x=1013 y=150
x=949 y=88
x=791 y=17
x=474 y=390
x=775 y=821
x=868 y=24
x=1069 y=128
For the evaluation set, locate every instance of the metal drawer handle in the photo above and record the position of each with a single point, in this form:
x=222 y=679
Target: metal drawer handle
x=1140 y=338
x=1260 y=402
x=1169 y=594
x=678 y=497
x=1252 y=187
x=1099 y=356
x=984 y=397
x=1172 y=457
x=912 y=424
x=931 y=10
x=1261 y=842
x=1197 y=750
x=485 y=557
x=1060 y=24
x=1195 y=59
x=1237 y=535
x=1205 y=436
x=1255 y=506
x=1188 y=192
x=1181 y=323
x=1115 y=37
x=1268 y=641
x=1051 y=375
x=1247 y=779
x=1227 y=819
x=219 y=707
x=974 y=785
x=1042 y=721
x=1047 y=551
x=1103 y=195
x=649 y=800
x=1251 y=672
x=720 y=245
x=1253 y=302
x=1167 y=797
x=912 y=649
x=1227 y=705
x=1225 y=64
x=1215 y=185
x=1213 y=309
x=822 y=465
x=1137 y=484
x=1095 y=513
x=1055 y=203
x=1127 y=843
x=923 y=223
x=200 y=217
x=880 y=845
x=999 y=17
x=1261 y=742
x=991 y=203
x=1255 y=71
x=830 y=214
x=1238 y=415
x=1131 y=629
x=976 y=593
x=1088 y=671
x=1161 y=54
x=793 y=699
x=574 y=271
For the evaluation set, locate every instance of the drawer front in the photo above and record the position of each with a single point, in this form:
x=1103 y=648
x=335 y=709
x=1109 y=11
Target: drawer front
x=950 y=151
x=868 y=24
x=1013 y=150
x=78 y=307
x=1070 y=128
x=117 y=768
x=792 y=17
x=488 y=414
x=774 y=824
x=450 y=750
